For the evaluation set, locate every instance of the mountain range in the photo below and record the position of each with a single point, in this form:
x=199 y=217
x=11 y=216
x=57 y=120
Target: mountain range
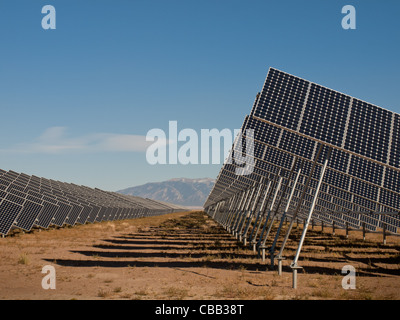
x=181 y=191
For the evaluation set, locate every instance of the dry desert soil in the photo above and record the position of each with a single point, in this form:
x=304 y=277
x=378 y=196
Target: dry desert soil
x=188 y=256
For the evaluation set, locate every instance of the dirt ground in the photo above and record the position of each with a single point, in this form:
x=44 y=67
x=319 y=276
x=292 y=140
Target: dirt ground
x=188 y=256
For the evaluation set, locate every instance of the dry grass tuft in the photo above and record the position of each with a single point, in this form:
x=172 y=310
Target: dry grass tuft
x=104 y=293
x=23 y=259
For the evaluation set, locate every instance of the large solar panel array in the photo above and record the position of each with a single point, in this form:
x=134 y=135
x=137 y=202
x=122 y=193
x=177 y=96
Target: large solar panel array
x=28 y=201
x=298 y=126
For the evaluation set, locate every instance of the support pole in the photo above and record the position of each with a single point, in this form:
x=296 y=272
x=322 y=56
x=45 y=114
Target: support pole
x=384 y=234
x=244 y=216
x=280 y=254
x=216 y=209
x=226 y=217
x=255 y=230
x=294 y=265
x=237 y=213
x=243 y=211
x=262 y=245
x=283 y=218
x=268 y=215
x=363 y=228
x=280 y=266
x=256 y=200
x=274 y=215
x=235 y=209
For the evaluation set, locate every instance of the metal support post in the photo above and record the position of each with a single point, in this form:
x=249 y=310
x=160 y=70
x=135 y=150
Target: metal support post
x=263 y=247
x=253 y=235
x=280 y=254
x=247 y=216
x=237 y=212
x=268 y=215
x=244 y=216
x=262 y=244
x=227 y=213
x=235 y=208
x=294 y=265
x=363 y=229
x=280 y=265
x=384 y=234
x=283 y=218
x=294 y=279
x=246 y=229
x=219 y=204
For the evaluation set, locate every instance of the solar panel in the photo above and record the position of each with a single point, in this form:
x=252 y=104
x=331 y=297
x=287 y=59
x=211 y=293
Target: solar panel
x=9 y=211
x=101 y=214
x=93 y=214
x=345 y=152
x=46 y=215
x=84 y=214
x=13 y=198
x=62 y=213
x=269 y=108
x=28 y=215
x=73 y=214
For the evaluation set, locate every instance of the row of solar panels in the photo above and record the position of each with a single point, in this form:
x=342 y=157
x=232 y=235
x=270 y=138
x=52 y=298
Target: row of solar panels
x=329 y=209
x=291 y=119
x=28 y=201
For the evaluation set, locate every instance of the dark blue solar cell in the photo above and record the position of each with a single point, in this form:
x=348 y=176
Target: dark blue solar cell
x=9 y=211
x=366 y=170
x=28 y=215
x=324 y=117
x=274 y=103
x=369 y=131
x=395 y=147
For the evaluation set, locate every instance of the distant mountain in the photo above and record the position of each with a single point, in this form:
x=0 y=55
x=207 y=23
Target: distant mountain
x=181 y=191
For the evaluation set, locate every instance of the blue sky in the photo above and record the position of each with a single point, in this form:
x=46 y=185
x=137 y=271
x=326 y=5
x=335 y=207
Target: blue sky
x=76 y=102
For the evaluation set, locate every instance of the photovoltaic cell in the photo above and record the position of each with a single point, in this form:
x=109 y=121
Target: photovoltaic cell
x=28 y=215
x=324 y=116
x=93 y=214
x=28 y=201
x=15 y=199
x=282 y=99
x=101 y=214
x=46 y=215
x=9 y=211
x=84 y=214
x=73 y=214
x=61 y=214
x=395 y=145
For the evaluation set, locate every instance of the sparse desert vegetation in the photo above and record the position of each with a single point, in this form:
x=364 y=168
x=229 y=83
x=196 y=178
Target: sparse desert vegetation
x=187 y=255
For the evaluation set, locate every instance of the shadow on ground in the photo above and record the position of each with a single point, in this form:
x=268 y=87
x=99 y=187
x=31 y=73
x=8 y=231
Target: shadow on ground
x=194 y=241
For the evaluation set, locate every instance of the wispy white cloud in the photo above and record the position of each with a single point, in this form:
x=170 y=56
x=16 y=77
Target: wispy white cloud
x=57 y=140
